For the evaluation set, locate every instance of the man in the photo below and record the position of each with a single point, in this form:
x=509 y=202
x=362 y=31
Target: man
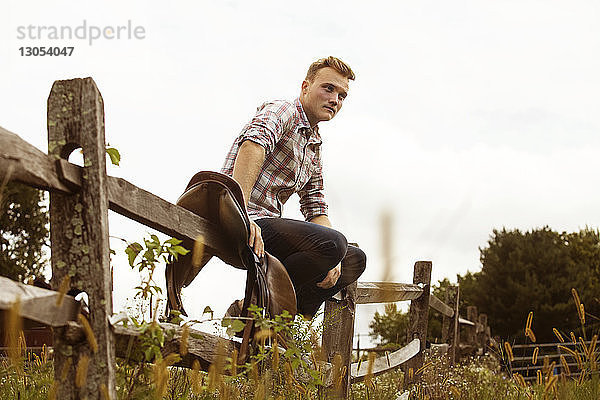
x=277 y=154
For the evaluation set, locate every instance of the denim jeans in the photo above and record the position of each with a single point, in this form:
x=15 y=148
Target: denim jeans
x=308 y=251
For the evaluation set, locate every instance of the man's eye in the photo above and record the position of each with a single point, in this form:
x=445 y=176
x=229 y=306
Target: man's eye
x=329 y=88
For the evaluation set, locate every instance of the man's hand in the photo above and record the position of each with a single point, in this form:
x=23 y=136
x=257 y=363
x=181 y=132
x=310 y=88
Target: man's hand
x=332 y=277
x=255 y=241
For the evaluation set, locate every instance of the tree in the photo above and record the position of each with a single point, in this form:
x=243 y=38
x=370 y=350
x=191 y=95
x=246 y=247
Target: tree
x=391 y=327
x=469 y=293
x=23 y=232
x=535 y=271
x=521 y=272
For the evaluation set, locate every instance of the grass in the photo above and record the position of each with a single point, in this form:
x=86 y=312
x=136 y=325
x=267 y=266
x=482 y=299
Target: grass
x=32 y=378
x=295 y=372
x=474 y=379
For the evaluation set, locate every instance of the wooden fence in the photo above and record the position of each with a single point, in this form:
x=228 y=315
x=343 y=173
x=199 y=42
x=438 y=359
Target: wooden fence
x=551 y=358
x=80 y=198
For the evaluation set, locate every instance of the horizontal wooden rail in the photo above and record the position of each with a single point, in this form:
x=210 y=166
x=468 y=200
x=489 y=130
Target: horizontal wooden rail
x=466 y=322
x=27 y=164
x=571 y=375
x=440 y=306
x=386 y=363
x=534 y=345
x=201 y=346
x=38 y=304
x=375 y=350
x=386 y=292
x=541 y=366
x=520 y=359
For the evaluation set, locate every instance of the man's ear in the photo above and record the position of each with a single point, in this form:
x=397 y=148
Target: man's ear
x=305 y=85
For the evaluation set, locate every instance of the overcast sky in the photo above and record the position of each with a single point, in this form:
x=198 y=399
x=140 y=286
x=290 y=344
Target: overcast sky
x=465 y=116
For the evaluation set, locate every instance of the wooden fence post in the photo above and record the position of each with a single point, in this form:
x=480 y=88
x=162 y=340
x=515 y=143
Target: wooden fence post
x=472 y=330
x=79 y=237
x=481 y=334
x=338 y=335
x=450 y=331
x=417 y=319
x=445 y=319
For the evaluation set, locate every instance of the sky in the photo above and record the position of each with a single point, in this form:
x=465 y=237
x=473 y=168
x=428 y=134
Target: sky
x=464 y=117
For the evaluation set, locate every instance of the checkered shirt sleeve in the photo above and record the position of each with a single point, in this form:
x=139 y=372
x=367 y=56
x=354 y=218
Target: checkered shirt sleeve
x=312 y=199
x=267 y=125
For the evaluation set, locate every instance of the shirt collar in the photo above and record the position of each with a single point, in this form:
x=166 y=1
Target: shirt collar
x=314 y=136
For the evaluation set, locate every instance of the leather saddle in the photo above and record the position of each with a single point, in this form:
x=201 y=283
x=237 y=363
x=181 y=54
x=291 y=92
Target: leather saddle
x=218 y=199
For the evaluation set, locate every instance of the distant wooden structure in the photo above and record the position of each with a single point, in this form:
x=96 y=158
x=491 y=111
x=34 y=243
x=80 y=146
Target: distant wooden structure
x=562 y=358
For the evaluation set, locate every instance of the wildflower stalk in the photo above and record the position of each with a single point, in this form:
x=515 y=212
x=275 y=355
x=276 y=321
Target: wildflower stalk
x=580 y=311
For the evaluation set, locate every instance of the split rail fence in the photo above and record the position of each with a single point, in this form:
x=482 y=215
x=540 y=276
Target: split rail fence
x=80 y=198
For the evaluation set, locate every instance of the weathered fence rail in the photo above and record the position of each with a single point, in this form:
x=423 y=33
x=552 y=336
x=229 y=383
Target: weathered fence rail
x=27 y=164
x=441 y=307
x=79 y=201
x=386 y=292
x=40 y=305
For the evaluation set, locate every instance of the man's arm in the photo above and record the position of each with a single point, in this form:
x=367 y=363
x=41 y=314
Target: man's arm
x=248 y=163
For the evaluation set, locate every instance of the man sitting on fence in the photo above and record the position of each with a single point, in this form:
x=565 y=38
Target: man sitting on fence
x=277 y=154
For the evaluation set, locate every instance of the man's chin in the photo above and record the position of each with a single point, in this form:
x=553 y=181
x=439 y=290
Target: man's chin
x=327 y=117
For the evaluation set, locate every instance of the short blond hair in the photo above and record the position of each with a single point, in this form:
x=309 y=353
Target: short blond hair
x=332 y=62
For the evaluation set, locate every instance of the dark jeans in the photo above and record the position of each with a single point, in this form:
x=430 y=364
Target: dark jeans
x=308 y=251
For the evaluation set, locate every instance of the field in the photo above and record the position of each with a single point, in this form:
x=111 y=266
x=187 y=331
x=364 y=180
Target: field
x=480 y=378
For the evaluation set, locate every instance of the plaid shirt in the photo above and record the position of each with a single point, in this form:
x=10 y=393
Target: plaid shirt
x=292 y=160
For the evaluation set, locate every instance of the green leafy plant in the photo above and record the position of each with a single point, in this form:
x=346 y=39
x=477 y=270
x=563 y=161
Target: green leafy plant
x=151 y=337
x=114 y=155
x=149 y=255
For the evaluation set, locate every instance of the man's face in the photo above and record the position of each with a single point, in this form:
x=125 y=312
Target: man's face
x=323 y=97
